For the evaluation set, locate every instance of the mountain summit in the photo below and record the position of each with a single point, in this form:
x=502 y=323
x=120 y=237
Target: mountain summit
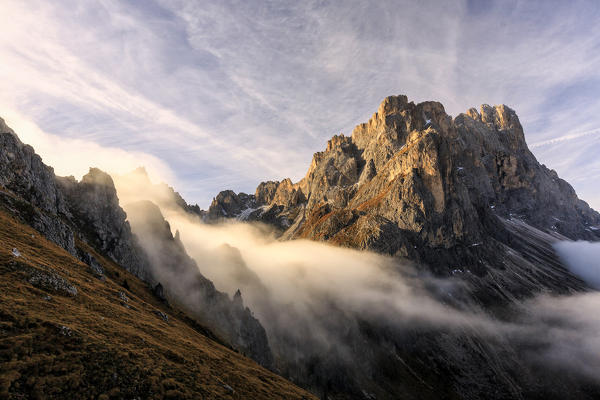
x=462 y=193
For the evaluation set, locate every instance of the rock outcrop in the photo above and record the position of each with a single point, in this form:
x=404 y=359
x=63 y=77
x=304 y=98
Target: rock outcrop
x=23 y=173
x=95 y=210
x=30 y=191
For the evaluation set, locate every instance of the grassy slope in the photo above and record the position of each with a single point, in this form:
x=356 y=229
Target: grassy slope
x=92 y=346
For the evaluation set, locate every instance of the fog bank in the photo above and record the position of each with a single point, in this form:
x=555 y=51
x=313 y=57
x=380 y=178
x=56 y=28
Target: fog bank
x=345 y=308
x=583 y=259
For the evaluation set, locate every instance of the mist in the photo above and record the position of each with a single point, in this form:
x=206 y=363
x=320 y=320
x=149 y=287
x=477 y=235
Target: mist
x=322 y=302
x=583 y=259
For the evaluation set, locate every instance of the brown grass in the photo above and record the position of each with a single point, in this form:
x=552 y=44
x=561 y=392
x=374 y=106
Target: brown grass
x=92 y=347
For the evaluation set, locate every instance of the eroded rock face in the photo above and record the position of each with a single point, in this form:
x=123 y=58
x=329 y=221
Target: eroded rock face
x=432 y=176
x=96 y=212
x=171 y=265
x=23 y=172
x=62 y=207
x=29 y=190
x=414 y=182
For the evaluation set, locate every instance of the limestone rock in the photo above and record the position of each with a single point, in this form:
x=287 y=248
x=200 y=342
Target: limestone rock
x=51 y=282
x=94 y=204
x=23 y=172
x=414 y=182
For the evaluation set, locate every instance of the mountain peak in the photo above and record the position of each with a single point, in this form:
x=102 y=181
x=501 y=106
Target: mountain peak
x=414 y=182
x=98 y=177
x=392 y=104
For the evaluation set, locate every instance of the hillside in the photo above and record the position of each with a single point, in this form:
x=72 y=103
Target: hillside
x=70 y=331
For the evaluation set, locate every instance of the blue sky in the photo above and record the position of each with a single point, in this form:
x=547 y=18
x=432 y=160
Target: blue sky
x=211 y=95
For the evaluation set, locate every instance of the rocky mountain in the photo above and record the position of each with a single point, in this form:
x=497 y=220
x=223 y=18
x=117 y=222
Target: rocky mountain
x=461 y=198
x=452 y=194
x=461 y=214
x=77 y=331
x=65 y=211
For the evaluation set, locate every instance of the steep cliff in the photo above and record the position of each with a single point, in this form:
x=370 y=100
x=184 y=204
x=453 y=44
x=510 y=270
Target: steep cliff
x=180 y=275
x=451 y=194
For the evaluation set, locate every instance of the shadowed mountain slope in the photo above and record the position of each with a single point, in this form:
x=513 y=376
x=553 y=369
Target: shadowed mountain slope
x=69 y=330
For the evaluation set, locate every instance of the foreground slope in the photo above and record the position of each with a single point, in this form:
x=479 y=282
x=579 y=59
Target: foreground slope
x=69 y=331
x=63 y=209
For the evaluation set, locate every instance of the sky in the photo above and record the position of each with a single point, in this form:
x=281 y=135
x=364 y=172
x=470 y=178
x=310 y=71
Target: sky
x=215 y=95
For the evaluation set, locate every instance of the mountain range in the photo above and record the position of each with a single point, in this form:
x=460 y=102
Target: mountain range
x=416 y=259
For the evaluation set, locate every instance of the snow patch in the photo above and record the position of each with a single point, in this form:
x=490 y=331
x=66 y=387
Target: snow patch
x=245 y=214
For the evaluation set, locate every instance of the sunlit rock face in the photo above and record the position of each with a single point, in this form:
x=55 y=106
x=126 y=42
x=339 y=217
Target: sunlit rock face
x=462 y=198
x=431 y=176
x=415 y=183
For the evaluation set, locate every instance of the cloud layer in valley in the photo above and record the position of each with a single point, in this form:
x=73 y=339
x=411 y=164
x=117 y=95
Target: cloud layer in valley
x=583 y=259
x=315 y=300
x=230 y=93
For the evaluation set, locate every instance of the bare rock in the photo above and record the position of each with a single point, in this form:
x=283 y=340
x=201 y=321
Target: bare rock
x=51 y=281
x=161 y=315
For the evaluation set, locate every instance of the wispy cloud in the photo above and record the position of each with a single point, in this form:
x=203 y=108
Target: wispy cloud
x=565 y=138
x=230 y=93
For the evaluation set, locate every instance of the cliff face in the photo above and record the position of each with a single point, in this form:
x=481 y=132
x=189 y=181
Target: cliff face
x=431 y=176
x=445 y=192
x=66 y=211
x=96 y=213
x=179 y=274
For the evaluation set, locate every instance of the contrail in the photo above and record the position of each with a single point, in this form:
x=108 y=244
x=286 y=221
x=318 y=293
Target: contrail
x=565 y=138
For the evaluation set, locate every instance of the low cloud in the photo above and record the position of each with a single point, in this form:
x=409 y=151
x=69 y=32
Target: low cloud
x=563 y=333
x=583 y=259
x=342 y=309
